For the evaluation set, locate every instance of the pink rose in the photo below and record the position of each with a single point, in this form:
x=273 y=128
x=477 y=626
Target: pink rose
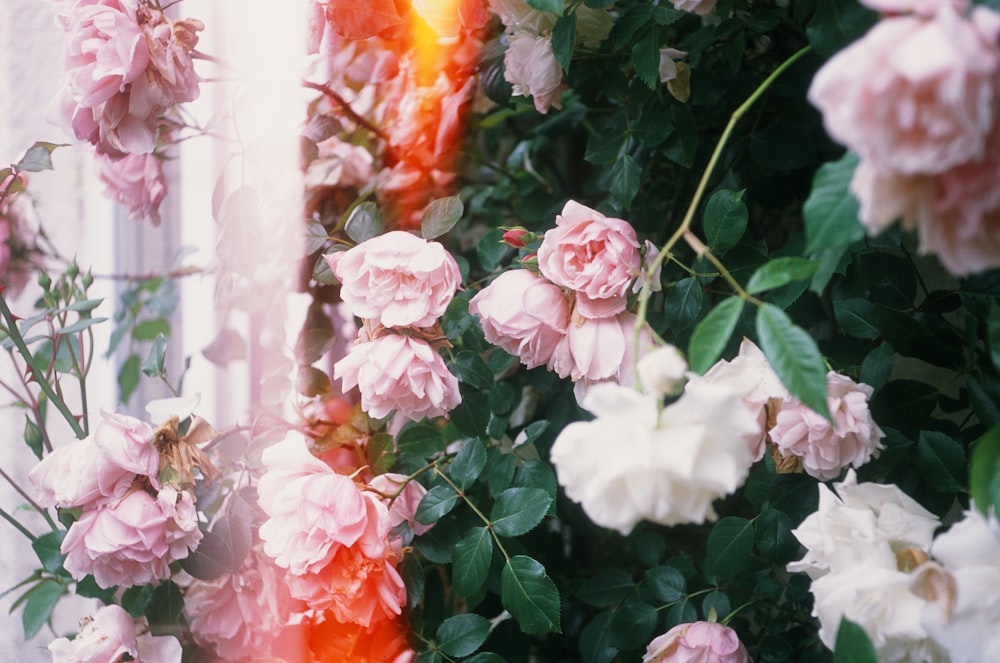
x=700 y=7
x=920 y=7
x=825 y=450
x=397 y=278
x=396 y=372
x=110 y=635
x=926 y=99
x=132 y=541
x=698 y=642
x=531 y=68
x=240 y=615
x=402 y=507
x=332 y=537
x=595 y=256
x=136 y=182
x=593 y=349
x=524 y=314
x=99 y=468
x=172 y=78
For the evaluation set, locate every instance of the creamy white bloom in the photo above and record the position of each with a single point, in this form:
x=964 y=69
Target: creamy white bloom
x=662 y=370
x=633 y=462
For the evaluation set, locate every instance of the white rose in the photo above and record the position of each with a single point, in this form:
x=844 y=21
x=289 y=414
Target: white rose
x=662 y=370
x=531 y=68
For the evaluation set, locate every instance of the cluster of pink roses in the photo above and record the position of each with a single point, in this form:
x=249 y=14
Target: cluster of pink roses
x=924 y=121
x=399 y=284
x=573 y=317
x=131 y=525
x=111 y=635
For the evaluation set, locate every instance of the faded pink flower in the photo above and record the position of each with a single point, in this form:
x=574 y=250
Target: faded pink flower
x=827 y=449
x=99 y=468
x=134 y=540
x=927 y=99
x=668 y=63
x=340 y=163
x=397 y=278
x=593 y=349
x=172 y=78
x=531 y=68
x=401 y=373
x=700 y=7
x=332 y=537
x=135 y=181
x=595 y=256
x=110 y=635
x=919 y=7
x=697 y=642
x=19 y=258
x=523 y=314
x=240 y=615
x=403 y=507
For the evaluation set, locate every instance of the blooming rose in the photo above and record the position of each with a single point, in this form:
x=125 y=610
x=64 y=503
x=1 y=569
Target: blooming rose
x=401 y=373
x=524 y=314
x=861 y=524
x=668 y=467
x=595 y=256
x=397 y=278
x=172 y=78
x=110 y=635
x=384 y=641
x=332 y=537
x=927 y=99
x=134 y=540
x=100 y=467
x=827 y=449
x=135 y=181
x=531 y=68
x=662 y=370
x=699 y=642
x=403 y=507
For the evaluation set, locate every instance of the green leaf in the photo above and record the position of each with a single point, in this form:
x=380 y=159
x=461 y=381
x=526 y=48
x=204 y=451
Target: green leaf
x=665 y=583
x=79 y=325
x=471 y=562
x=530 y=595
x=315 y=238
x=712 y=334
x=147 y=330
x=41 y=599
x=438 y=501
x=993 y=333
x=470 y=368
x=518 y=510
x=858 y=317
x=877 y=366
x=941 y=461
x=831 y=211
x=47 y=549
x=554 y=6
x=794 y=356
x=461 y=635
x=365 y=222
x=468 y=463
x=136 y=599
x=420 y=440
x=607 y=588
x=725 y=220
x=128 y=378
x=222 y=549
x=473 y=414
x=853 y=645
x=729 y=547
x=153 y=366
x=683 y=304
x=440 y=216
x=595 y=639
x=773 y=536
x=646 y=59
x=88 y=588
x=837 y=23
x=632 y=625
x=38 y=157
x=491 y=250
x=310 y=381
x=625 y=176
x=780 y=271
x=564 y=40
x=33 y=436
x=783 y=145
x=984 y=472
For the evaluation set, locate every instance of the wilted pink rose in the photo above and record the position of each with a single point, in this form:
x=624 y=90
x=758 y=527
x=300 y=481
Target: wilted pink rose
x=332 y=537
x=827 y=449
x=401 y=373
x=524 y=314
x=132 y=541
x=926 y=98
x=240 y=615
x=402 y=507
x=698 y=642
x=397 y=278
x=172 y=78
x=595 y=256
x=110 y=635
x=700 y=7
x=100 y=467
x=135 y=181
x=531 y=68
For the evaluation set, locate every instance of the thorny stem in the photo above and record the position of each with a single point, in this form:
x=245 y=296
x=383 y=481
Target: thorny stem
x=21 y=528
x=482 y=516
x=345 y=107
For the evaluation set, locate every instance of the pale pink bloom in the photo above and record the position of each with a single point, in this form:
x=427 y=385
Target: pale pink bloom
x=100 y=467
x=172 y=78
x=662 y=371
x=240 y=615
x=750 y=375
x=593 y=349
x=331 y=537
x=531 y=68
x=521 y=18
x=134 y=540
x=396 y=372
x=698 y=642
x=700 y=7
x=523 y=314
x=109 y=635
x=595 y=256
x=397 y=279
x=888 y=196
x=135 y=181
x=668 y=63
x=403 y=507
x=827 y=449
x=926 y=99
x=919 y=7
x=340 y=164
x=18 y=255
